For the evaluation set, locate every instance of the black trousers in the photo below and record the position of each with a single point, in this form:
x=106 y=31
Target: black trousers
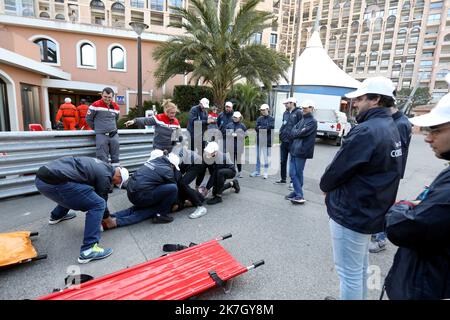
x=218 y=178
x=284 y=154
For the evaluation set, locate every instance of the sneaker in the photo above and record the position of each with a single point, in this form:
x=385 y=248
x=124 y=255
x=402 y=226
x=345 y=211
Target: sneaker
x=94 y=253
x=214 y=200
x=291 y=186
x=298 y=200
x=162 y=218
x=199 y=212
x=280 y=181
x=239 y=175
x=68 y=216
x=236 y=186
x=255 y=174
x=290 y=196
x=329 y=298
x=265 y=176
x=377 y=246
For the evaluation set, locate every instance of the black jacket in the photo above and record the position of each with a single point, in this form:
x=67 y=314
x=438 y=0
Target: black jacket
x=84 y=170
x=290 y=119
x=150 y=175
x=404 y=129
x=223 y=120
x=421 y=268
x=266 y=124
x=239 y=141
x=362 y=180
x=303 y=137
x=197 y=114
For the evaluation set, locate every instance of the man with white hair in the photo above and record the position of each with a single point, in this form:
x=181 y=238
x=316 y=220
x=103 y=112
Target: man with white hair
x=421 y=227
x=69 y=114
x=361 y=183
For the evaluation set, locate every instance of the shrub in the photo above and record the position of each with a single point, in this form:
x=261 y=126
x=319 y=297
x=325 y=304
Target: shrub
x=187 y=96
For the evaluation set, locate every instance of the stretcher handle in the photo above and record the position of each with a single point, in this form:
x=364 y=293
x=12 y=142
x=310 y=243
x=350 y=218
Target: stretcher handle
x=32 y=234
x=40 y=257
x=256 y=265
x=228 y=235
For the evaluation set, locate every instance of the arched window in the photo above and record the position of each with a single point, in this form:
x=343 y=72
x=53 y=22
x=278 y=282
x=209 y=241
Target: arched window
x=447 y=37
x=390 y=23
x=355 y=27
x=60 y=16
x=49 y=50
x=44 y=15
x=86 y=55
x=378 y=25
x=117 y=58
x=118 y=7
x=97 y=4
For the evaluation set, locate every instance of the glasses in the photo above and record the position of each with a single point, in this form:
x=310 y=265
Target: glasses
x=433 y=130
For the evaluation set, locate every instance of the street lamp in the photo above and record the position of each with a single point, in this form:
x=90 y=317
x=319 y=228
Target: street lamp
x=138 y=27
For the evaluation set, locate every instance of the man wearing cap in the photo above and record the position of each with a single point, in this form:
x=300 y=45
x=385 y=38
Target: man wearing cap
x=198 y=122
x=102 y=117
x=69 y=114
x=361 y=183
x=421 y=227
x=291 y=116
x=378 y=241
x=81 y=183
x=236 y=132
x=222 y=168
x=264 y=135
x=152 y=190
x=225 y=117
x=303 y=137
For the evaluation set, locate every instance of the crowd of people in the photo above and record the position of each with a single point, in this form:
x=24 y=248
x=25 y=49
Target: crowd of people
x=360 y=184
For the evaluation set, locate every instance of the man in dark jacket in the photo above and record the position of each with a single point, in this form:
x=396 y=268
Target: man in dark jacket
x=378 y=242
x=102 y=117
x=291 y=116
x=361 y=183
x=198 y=123
x=152 y=189
x=303 y=137
x=421 y=228
x=81 y=183
x=264 y=135
x=224 y=119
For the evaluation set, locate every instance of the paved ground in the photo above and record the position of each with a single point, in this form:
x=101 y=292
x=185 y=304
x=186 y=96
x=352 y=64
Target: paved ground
x=293 y=240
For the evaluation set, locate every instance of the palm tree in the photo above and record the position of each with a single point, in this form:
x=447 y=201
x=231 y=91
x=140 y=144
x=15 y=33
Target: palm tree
x=248 y=98
x=216 y=48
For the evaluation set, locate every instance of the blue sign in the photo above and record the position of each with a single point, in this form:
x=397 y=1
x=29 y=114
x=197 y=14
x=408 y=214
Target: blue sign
x=120 y=99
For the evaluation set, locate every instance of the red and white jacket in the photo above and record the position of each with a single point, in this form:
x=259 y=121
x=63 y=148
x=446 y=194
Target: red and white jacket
x=103 y=118
x=167 y=130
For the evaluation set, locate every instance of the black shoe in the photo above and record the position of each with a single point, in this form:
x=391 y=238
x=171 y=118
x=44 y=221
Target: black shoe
x=236 y=186
x=329 y=298
x=281 y=181
x=161 y=218
x=214 y=200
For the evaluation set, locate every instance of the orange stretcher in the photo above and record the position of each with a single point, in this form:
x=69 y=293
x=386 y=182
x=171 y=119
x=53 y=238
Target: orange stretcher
x=16 y=247
x=175 y=276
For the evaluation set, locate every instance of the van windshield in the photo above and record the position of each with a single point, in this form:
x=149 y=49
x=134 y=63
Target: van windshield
x=325 y=115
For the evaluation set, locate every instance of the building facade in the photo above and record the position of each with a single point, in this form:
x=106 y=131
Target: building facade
x=407 y=41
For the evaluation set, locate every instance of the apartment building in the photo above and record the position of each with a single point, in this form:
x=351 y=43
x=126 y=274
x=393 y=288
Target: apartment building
x=407 y=41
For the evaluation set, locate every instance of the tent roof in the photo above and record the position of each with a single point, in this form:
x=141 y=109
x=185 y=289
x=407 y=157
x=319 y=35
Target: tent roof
x=315 y=68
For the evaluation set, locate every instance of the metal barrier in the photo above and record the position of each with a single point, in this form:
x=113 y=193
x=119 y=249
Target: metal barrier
x=22 y=153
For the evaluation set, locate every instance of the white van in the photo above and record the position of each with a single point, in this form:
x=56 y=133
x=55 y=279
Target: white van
x=331 y=124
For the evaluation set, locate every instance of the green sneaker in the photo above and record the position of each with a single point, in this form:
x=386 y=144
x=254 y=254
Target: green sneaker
x=94 y=253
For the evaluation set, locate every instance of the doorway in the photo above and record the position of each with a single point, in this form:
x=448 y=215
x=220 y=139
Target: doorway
x=5 y=124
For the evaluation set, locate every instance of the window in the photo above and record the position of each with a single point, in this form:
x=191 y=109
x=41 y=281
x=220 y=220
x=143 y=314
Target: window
x=256 y=38
x=49 y=52
x=118 y=7
x=4 y=112
x=427 y=63
x=86 y=55
x=60 y=16
x=116 y=58
x=175 y=3
x=433 y=18
x=436 y=5
x=20 y=7
x=157 y=5
x=97 y=4
x=273 y=40
x=30 y=104
x=137 y=3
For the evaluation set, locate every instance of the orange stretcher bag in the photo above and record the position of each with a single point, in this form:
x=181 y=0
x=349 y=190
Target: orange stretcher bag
x=16 y=247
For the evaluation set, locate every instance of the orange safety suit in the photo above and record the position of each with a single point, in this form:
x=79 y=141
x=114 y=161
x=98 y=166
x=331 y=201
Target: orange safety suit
x=69 y=115
x=82 y=110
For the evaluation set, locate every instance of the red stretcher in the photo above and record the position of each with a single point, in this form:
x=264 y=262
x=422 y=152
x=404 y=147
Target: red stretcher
x=175 y=276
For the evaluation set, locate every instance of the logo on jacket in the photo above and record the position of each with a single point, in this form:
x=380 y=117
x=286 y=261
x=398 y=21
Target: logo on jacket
x=397 y=152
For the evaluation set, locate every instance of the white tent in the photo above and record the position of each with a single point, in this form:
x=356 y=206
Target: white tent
x=315 y=68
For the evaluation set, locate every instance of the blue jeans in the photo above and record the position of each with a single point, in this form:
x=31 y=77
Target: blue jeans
x=351 y=258
x=147 y=204
x=380 y=236
x=296 y=173
x=266 y=151
x=76 y=196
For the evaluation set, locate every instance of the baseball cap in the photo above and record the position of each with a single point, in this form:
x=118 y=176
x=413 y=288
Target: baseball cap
x=175 y=160
x=124 y=174
x=440 y=114
x=375 y=85
x=228 y=103
x=204 y=102
x=155 y=154
x=290 y=99
x=211 y=147
x=264 y=106
x=237 y=114
x=308 y=103
x=67 y=100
